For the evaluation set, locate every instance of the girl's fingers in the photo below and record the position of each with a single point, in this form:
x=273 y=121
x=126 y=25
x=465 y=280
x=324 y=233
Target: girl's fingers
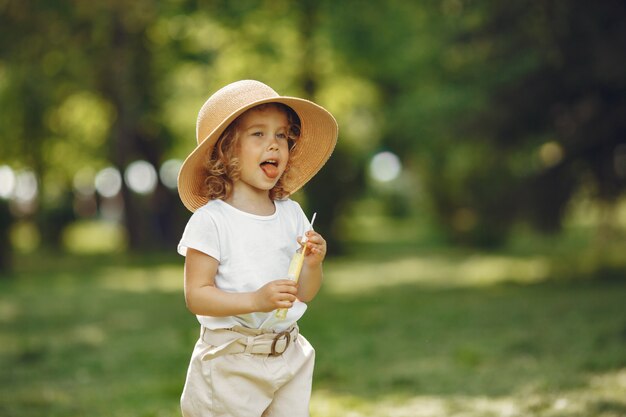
x=313 y=236
x=321 y=247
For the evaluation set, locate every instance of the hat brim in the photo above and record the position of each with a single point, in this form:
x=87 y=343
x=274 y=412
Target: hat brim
x=318 y=137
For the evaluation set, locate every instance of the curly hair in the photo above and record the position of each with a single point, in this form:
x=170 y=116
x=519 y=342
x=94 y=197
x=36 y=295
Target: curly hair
x=222 y=167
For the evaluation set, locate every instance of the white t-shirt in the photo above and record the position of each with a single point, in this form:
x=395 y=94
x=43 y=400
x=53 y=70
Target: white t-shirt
x=251 y=250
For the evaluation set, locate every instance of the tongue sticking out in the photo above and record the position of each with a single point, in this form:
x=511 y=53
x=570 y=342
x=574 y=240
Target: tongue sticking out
x=270 y=170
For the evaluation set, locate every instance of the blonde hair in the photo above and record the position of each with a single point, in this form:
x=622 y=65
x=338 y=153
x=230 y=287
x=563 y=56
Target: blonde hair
x=222 y=165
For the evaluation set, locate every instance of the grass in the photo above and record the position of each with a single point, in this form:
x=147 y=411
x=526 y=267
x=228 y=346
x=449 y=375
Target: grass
x=399 y=332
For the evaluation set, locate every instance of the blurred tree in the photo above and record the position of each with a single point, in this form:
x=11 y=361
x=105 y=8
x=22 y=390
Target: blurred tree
x=507 y=109
x=565 y=112
x=113 y=84
x=503 y=110
x=5 y=242
x=338 y=182
x=84 y=57
x=402 y=48
x=30 y=64
x=126 y=76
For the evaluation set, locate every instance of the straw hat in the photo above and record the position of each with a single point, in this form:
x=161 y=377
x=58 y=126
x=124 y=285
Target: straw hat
x=318 y=136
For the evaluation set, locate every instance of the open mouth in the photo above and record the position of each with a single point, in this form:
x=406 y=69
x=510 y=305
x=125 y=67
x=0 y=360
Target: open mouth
x=270 y=167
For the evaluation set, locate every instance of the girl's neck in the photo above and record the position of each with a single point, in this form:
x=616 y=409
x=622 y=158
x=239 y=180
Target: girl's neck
x=259 y=204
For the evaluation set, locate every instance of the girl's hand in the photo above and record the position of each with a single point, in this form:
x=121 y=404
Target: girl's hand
x=316 y=248
x=275 y=294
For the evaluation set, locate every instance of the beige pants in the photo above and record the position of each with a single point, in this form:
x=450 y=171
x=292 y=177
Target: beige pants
x=245 y=384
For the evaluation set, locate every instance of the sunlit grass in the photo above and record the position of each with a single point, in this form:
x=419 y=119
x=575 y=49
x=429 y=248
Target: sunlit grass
x=91 y=237
x=433 y=269
x=165 y=278
x=602 y=396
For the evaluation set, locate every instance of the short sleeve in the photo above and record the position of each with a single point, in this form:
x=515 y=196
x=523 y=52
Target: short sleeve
x=200 y=234
x=302 y=223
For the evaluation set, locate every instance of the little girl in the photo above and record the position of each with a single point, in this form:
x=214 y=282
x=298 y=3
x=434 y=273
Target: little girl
x=255 y=148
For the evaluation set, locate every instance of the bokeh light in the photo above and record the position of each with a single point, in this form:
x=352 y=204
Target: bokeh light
x=25 y=186
x=7 y=181
x=550 y=154
x=169 y=173
x=83 y=182
x=108 y=182
x=385 y=167
x=141 y=177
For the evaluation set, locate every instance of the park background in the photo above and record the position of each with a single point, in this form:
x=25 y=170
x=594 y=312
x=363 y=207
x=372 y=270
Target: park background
x=474 y=205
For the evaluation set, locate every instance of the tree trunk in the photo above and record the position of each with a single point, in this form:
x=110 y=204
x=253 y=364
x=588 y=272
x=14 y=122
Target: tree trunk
x=126 y=81
x=6 y=219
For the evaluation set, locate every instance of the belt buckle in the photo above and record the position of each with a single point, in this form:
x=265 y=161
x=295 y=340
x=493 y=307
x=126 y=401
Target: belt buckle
x=278 y=337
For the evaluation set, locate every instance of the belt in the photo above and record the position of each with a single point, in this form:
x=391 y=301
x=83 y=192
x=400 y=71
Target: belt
x=241 y=339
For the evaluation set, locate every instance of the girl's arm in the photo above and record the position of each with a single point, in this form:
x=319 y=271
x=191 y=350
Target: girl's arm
x=204 y=298
x=312 y=274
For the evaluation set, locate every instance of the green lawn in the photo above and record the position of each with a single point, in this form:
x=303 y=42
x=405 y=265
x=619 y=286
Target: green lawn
x=398 y=332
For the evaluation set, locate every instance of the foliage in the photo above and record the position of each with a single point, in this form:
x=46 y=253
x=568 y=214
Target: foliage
x=507 y=109
x=556 y=109
x=501 y=112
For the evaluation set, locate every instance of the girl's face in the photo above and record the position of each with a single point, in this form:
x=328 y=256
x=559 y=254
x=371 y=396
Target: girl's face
x=263 y=149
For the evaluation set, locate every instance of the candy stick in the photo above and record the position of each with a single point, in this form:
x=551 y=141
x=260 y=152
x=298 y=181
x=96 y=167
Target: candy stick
x=295 y=266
